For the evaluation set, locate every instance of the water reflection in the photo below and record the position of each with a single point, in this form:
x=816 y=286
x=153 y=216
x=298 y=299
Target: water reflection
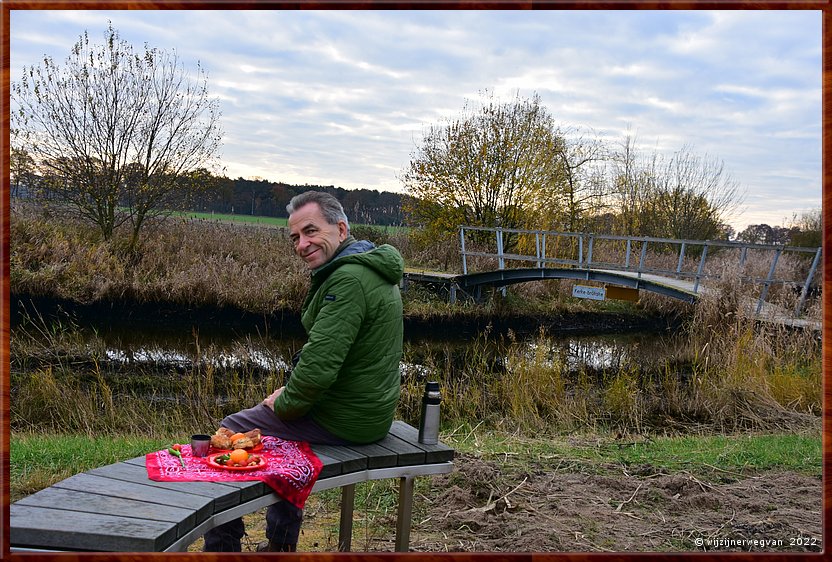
x=423 y=356
x=645 y=353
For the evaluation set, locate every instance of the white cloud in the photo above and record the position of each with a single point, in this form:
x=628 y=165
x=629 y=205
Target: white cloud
x=342 y=97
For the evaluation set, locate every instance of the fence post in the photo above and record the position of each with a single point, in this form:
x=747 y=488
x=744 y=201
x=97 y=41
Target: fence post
x=701 y=268
x=500 y=257
x=462 y=242
x=627 y=256
x=681 y=259
x=642 y=257
x=809 y=277
x=544 y=250
x=764 y=292
x=589 y=252
x=580 y=250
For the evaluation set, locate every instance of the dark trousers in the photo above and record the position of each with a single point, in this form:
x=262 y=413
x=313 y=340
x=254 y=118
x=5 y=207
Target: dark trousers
x=283 y=522
x=283 y=519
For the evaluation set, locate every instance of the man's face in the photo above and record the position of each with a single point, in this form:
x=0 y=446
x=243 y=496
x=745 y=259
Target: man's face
x=315 y=240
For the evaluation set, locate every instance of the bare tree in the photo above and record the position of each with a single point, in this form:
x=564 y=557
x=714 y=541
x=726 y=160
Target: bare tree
x=684 y=196
x=580 y=194
x=628 y=186
x=115 y=129
x=691 y=197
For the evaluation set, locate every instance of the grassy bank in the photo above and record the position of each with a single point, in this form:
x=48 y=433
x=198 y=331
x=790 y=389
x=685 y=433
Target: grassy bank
x=501 y=479
x=40 y=459
x=754 y=380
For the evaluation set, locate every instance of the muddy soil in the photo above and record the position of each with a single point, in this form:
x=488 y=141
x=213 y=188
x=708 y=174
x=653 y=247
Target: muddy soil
x=550 y=507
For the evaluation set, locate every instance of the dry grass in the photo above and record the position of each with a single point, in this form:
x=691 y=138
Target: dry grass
x=186 y=262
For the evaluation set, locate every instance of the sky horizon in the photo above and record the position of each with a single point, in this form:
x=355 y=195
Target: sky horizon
x=343 y=97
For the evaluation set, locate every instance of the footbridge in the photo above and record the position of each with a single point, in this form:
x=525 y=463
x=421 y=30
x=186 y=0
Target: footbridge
x=621 y=266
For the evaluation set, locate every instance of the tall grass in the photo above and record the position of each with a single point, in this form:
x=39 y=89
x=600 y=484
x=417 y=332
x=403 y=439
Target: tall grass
x=180 y=261
x=531 y=391
x=62 y=381
x=742 y=374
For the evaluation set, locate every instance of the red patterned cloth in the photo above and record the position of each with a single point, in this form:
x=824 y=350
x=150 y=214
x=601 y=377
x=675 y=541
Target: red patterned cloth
x=291 y=470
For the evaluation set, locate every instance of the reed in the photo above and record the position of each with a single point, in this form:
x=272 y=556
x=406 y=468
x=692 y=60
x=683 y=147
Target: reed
x=529 y=391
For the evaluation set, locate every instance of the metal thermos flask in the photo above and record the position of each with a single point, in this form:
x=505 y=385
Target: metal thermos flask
x=429 y=424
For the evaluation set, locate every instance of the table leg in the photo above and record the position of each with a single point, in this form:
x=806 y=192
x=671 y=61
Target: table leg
x=405 y=513
x=345 y=529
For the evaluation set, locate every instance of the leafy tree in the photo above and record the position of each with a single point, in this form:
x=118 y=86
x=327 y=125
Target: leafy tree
x=756 y=234
x=22 y=172
x=115 y=130
x=808 y=229
x=781 y=235
x=488 y=167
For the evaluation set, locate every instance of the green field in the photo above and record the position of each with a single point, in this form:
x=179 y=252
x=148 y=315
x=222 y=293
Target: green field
x=271 y=221
x=248 y=219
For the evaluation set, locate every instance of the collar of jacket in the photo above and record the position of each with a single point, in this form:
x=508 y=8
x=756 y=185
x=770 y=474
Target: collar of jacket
x=348 y=247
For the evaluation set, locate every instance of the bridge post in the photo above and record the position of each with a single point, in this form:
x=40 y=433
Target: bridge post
x=805 y=291
x=701 y=268
x=627 y=256
x=501 y=260
x=767 y=283
x=462 y=245
x=681 y=259
x=589 y=252
x=537 y=247
x=642 y=257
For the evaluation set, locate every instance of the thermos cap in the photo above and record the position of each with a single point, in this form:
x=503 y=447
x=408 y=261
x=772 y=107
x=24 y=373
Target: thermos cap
x=432 y=395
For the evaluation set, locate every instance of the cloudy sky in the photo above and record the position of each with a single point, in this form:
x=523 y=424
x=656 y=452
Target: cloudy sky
x=343 y=97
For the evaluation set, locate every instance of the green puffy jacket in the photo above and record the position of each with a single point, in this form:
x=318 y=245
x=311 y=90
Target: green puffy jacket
x=348 y=376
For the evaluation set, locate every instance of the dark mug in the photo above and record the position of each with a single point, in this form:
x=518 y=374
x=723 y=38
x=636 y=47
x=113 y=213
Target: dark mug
x=200 y=445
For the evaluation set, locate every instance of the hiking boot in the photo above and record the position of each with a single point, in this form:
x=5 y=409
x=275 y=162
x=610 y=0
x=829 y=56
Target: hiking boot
x=269 y=546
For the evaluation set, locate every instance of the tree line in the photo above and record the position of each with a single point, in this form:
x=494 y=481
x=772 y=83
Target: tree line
x=261 y=197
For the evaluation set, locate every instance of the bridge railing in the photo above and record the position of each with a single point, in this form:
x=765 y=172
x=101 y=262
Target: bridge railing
x=689 y=258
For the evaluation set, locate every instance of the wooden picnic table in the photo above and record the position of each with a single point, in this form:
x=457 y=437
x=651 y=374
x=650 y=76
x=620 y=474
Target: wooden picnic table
x=117 y=508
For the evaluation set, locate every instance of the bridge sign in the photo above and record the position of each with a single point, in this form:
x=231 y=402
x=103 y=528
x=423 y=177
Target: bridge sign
x=584 y=292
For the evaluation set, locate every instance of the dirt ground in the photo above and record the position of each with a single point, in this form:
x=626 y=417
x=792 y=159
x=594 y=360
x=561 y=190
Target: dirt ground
x=553 y=505
x=549 y=508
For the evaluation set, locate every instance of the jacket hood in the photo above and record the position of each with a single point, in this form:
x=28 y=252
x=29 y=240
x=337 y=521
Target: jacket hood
x=384 y=259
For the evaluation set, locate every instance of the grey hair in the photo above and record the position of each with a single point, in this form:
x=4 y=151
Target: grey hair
x=330 y=207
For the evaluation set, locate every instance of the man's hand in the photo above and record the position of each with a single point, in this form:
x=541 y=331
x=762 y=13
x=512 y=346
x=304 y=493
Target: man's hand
x=272 y=397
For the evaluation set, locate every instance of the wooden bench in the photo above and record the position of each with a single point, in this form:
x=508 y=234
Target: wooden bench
x=117 y=508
